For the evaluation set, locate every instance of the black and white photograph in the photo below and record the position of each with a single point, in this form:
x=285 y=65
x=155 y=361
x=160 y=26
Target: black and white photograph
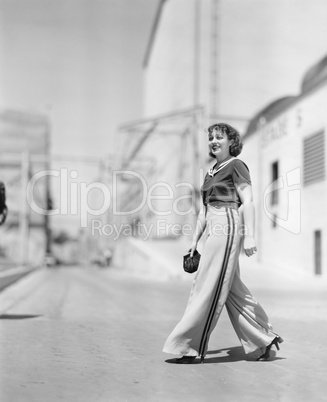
x=162 y=191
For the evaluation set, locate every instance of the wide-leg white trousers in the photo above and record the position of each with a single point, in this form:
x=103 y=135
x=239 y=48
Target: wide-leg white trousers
x=217 y=283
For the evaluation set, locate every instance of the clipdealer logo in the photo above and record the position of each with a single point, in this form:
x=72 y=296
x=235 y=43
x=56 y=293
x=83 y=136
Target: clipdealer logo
x=74 y=197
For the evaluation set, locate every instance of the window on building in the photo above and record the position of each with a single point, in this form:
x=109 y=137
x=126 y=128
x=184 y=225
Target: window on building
x=274 y=178
x=314 y=158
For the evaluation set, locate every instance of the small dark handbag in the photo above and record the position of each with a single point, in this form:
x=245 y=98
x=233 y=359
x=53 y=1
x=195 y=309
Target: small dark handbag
x=190 y=264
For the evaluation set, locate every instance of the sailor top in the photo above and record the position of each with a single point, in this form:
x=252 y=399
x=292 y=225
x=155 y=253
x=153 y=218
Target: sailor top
x=219 y=188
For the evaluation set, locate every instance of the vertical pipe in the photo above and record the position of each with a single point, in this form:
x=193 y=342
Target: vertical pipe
x=101 y=242
x=182 y=164
x=47 y=226
x=24 y=212
x=196 y=101
x=197 y=57
x=213 y=108
x=196 y=159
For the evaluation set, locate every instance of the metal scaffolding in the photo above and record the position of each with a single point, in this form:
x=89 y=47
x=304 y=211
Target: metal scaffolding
x=179 y=131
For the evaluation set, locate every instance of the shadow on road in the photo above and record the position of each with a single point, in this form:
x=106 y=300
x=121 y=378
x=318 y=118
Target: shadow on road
x=17 y=316
x=234 y=354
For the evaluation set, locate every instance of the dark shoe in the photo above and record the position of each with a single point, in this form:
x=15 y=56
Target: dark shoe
x=185 y=360
x=275 y=342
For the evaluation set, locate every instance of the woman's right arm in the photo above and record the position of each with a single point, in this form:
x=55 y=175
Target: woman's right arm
x=200 y=227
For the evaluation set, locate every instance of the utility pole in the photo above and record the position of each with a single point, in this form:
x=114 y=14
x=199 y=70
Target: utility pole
x=214 y=59
x=47 y=225
x=196 y=159
x=24 y=210
x=196 y=100
x=197 y=53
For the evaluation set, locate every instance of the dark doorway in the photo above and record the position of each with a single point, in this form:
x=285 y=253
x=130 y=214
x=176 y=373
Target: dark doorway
x=317 y=240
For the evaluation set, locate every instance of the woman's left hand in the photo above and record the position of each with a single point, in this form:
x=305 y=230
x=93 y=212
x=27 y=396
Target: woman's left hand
x=250 y=247
x=192 y=248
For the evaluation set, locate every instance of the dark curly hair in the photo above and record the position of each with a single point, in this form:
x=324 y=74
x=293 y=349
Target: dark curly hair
x=232 y=134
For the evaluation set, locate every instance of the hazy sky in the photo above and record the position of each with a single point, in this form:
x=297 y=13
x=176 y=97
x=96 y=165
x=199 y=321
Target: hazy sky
x=78 y=60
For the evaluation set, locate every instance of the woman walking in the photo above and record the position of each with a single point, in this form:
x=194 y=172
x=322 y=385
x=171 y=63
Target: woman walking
x=217 y=282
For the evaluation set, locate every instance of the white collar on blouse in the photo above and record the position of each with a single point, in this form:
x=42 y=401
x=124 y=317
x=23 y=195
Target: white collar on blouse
x=212 y=172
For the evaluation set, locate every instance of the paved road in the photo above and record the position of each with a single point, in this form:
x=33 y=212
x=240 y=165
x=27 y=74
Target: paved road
x=86 y=334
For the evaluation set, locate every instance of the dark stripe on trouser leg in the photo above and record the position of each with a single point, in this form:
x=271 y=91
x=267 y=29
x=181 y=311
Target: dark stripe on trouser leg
x=216 y=295
x=229 y=244
x=213 y=309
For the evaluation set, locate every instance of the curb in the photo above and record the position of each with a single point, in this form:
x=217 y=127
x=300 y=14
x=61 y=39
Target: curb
x=11 y=275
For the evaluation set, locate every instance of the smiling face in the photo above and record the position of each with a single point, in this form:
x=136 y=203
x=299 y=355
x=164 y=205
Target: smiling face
x=219 y=144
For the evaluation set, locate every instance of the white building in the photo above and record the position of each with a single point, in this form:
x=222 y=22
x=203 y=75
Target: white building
x=285 y=149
